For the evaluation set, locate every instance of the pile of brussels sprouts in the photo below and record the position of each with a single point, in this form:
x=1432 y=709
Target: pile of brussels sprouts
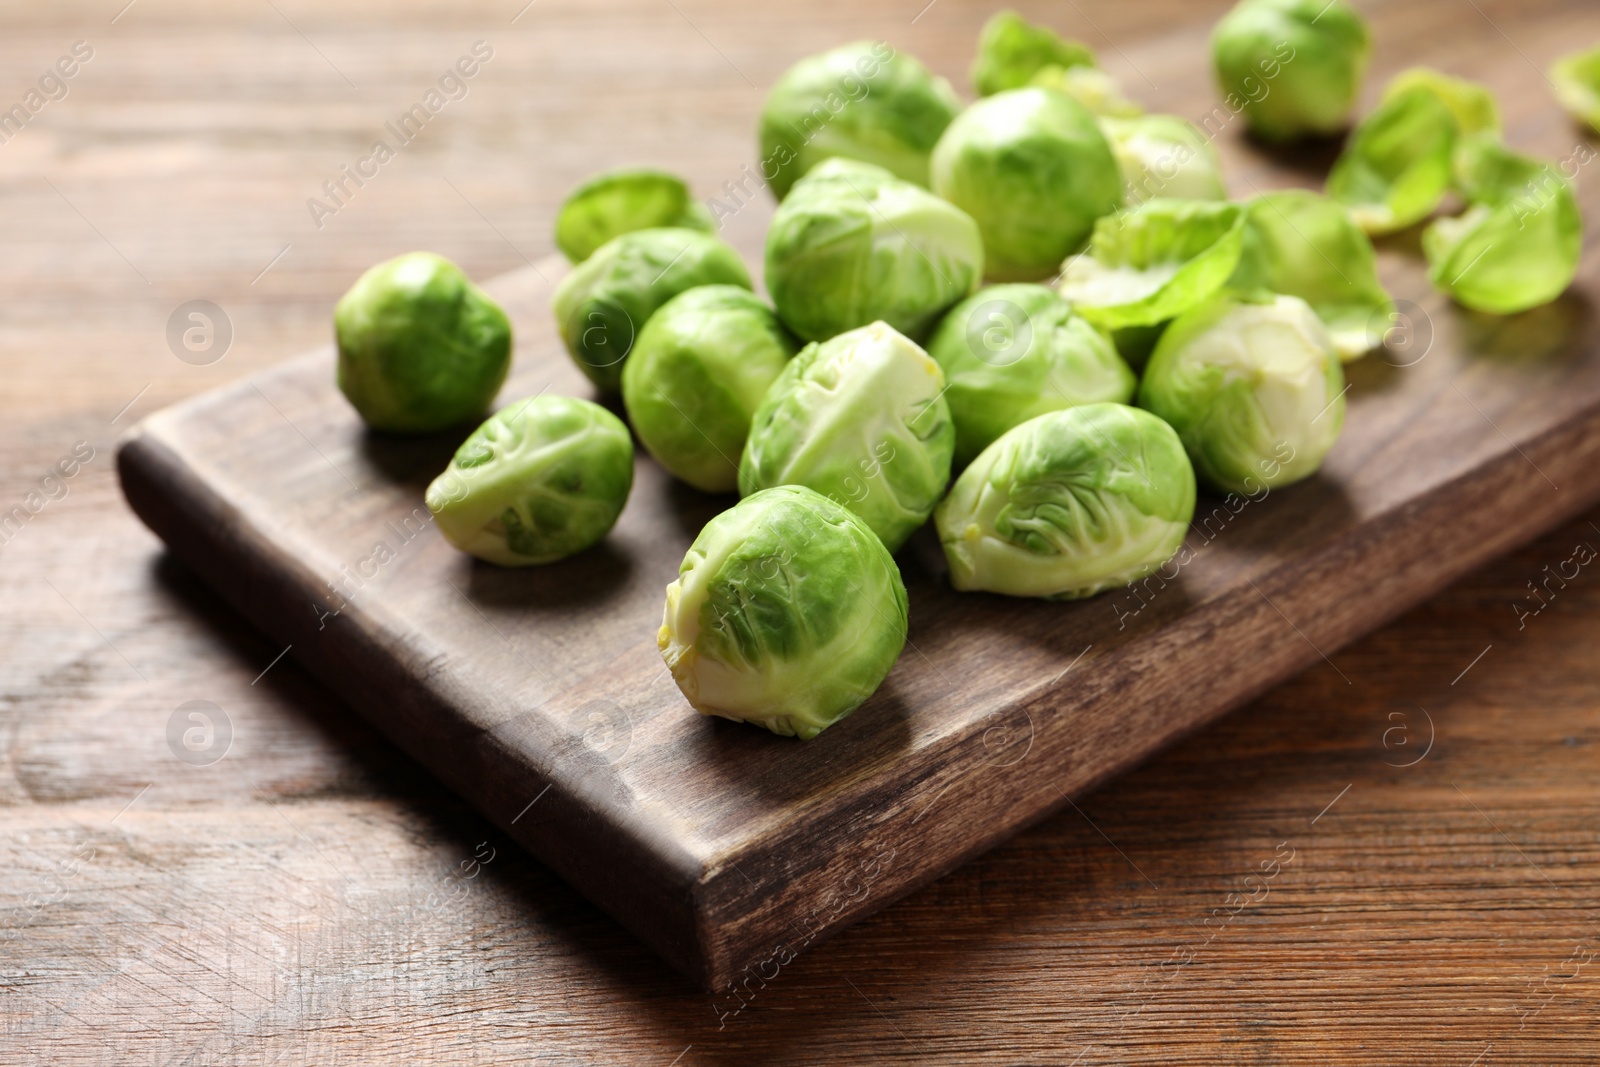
x=1140 y=335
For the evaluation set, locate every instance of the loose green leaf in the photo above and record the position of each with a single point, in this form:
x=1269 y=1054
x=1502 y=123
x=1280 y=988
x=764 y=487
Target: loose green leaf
x=1305 y=245
x=622 y=201
x=1519 y=243
x=1577 y=82
x=1397 y=167
x=1153 y=261
x=1012 y=50
x=1471 y=103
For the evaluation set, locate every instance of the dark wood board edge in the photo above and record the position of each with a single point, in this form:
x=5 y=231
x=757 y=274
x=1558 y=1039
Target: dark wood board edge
x=209 y=535
x=1388 y=565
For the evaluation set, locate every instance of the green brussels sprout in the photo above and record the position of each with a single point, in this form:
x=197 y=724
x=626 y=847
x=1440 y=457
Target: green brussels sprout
x=1032 y=167
x=1301 y=244
x=696 y=376
x=861 y=419
x=1011 y=51
x=1148 y=263
x=1012 y=352
x=1069 y=504
x=420 y=347
x=1294 y=67
x=1518 y=244
x=1471 y=104
x=607 y=299
x=1092 y=87
x=1397 y=166
x=1576 y=78
x=863 y=101
x=1164 y=156
x=853 y=244
x=787 y=613
x=1253 y=387
x=622 y=201
x=540 y=480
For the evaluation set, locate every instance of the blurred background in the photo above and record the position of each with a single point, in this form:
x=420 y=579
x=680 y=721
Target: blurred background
x=314 y=897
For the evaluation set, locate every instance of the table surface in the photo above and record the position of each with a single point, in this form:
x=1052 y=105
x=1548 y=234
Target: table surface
x=1419 y=814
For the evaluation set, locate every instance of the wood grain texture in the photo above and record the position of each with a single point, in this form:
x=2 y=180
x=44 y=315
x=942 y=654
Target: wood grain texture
x=296 y=902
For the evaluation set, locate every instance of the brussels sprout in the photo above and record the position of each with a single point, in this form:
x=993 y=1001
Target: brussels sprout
x=1164 y=155
x=1396 y=168
x=863 y=101
x=1577 y=81
x=696 y=376
x=542 y=479
x=420 y=347
x=1301 y=244
x=606 y=300
x=1011 y=352
x=787 y=613
x=1149 y=263
x=1294 y=67
x=1253 y=387
x=853 y=244
x=1092 y=87
x=622 y=201
x=1472 y=105
x=1069 y=504
x=1012 y=50
x=1032 y=167
x=861 y=419
x=1518 y=244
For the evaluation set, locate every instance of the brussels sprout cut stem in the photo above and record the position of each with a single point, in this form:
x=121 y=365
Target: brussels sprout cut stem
x=1069 y=504
x=540 y=480
x=861 y=419
x=787 y=613
x=1253 y=387
x=420 y=347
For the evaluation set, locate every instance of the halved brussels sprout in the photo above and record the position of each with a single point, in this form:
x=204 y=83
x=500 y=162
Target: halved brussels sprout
x=1294 y=67
x=1012 y=50
x=695 y=378
x=420 y=347
x=1011 y=352
x=1471 y=104
x=1151 y=262
x=1519 y=243
x=1301 y=244
x=861 y=419
x=787 y=613
x=1165 y=156
x=1092 y=87
x=1577 y=81
x=1032 y=167
x=862 y=101
x=853 y=244
x=622 y=201
x=603 y=304
x=1397 y=167
x=1069 y=504
x=1253 y=387
x=540 y=480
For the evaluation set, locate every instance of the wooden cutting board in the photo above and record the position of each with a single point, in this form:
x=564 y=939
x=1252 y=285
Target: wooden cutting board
x=540 y=695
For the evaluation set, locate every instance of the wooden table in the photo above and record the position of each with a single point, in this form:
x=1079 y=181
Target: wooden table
x=313 y=897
